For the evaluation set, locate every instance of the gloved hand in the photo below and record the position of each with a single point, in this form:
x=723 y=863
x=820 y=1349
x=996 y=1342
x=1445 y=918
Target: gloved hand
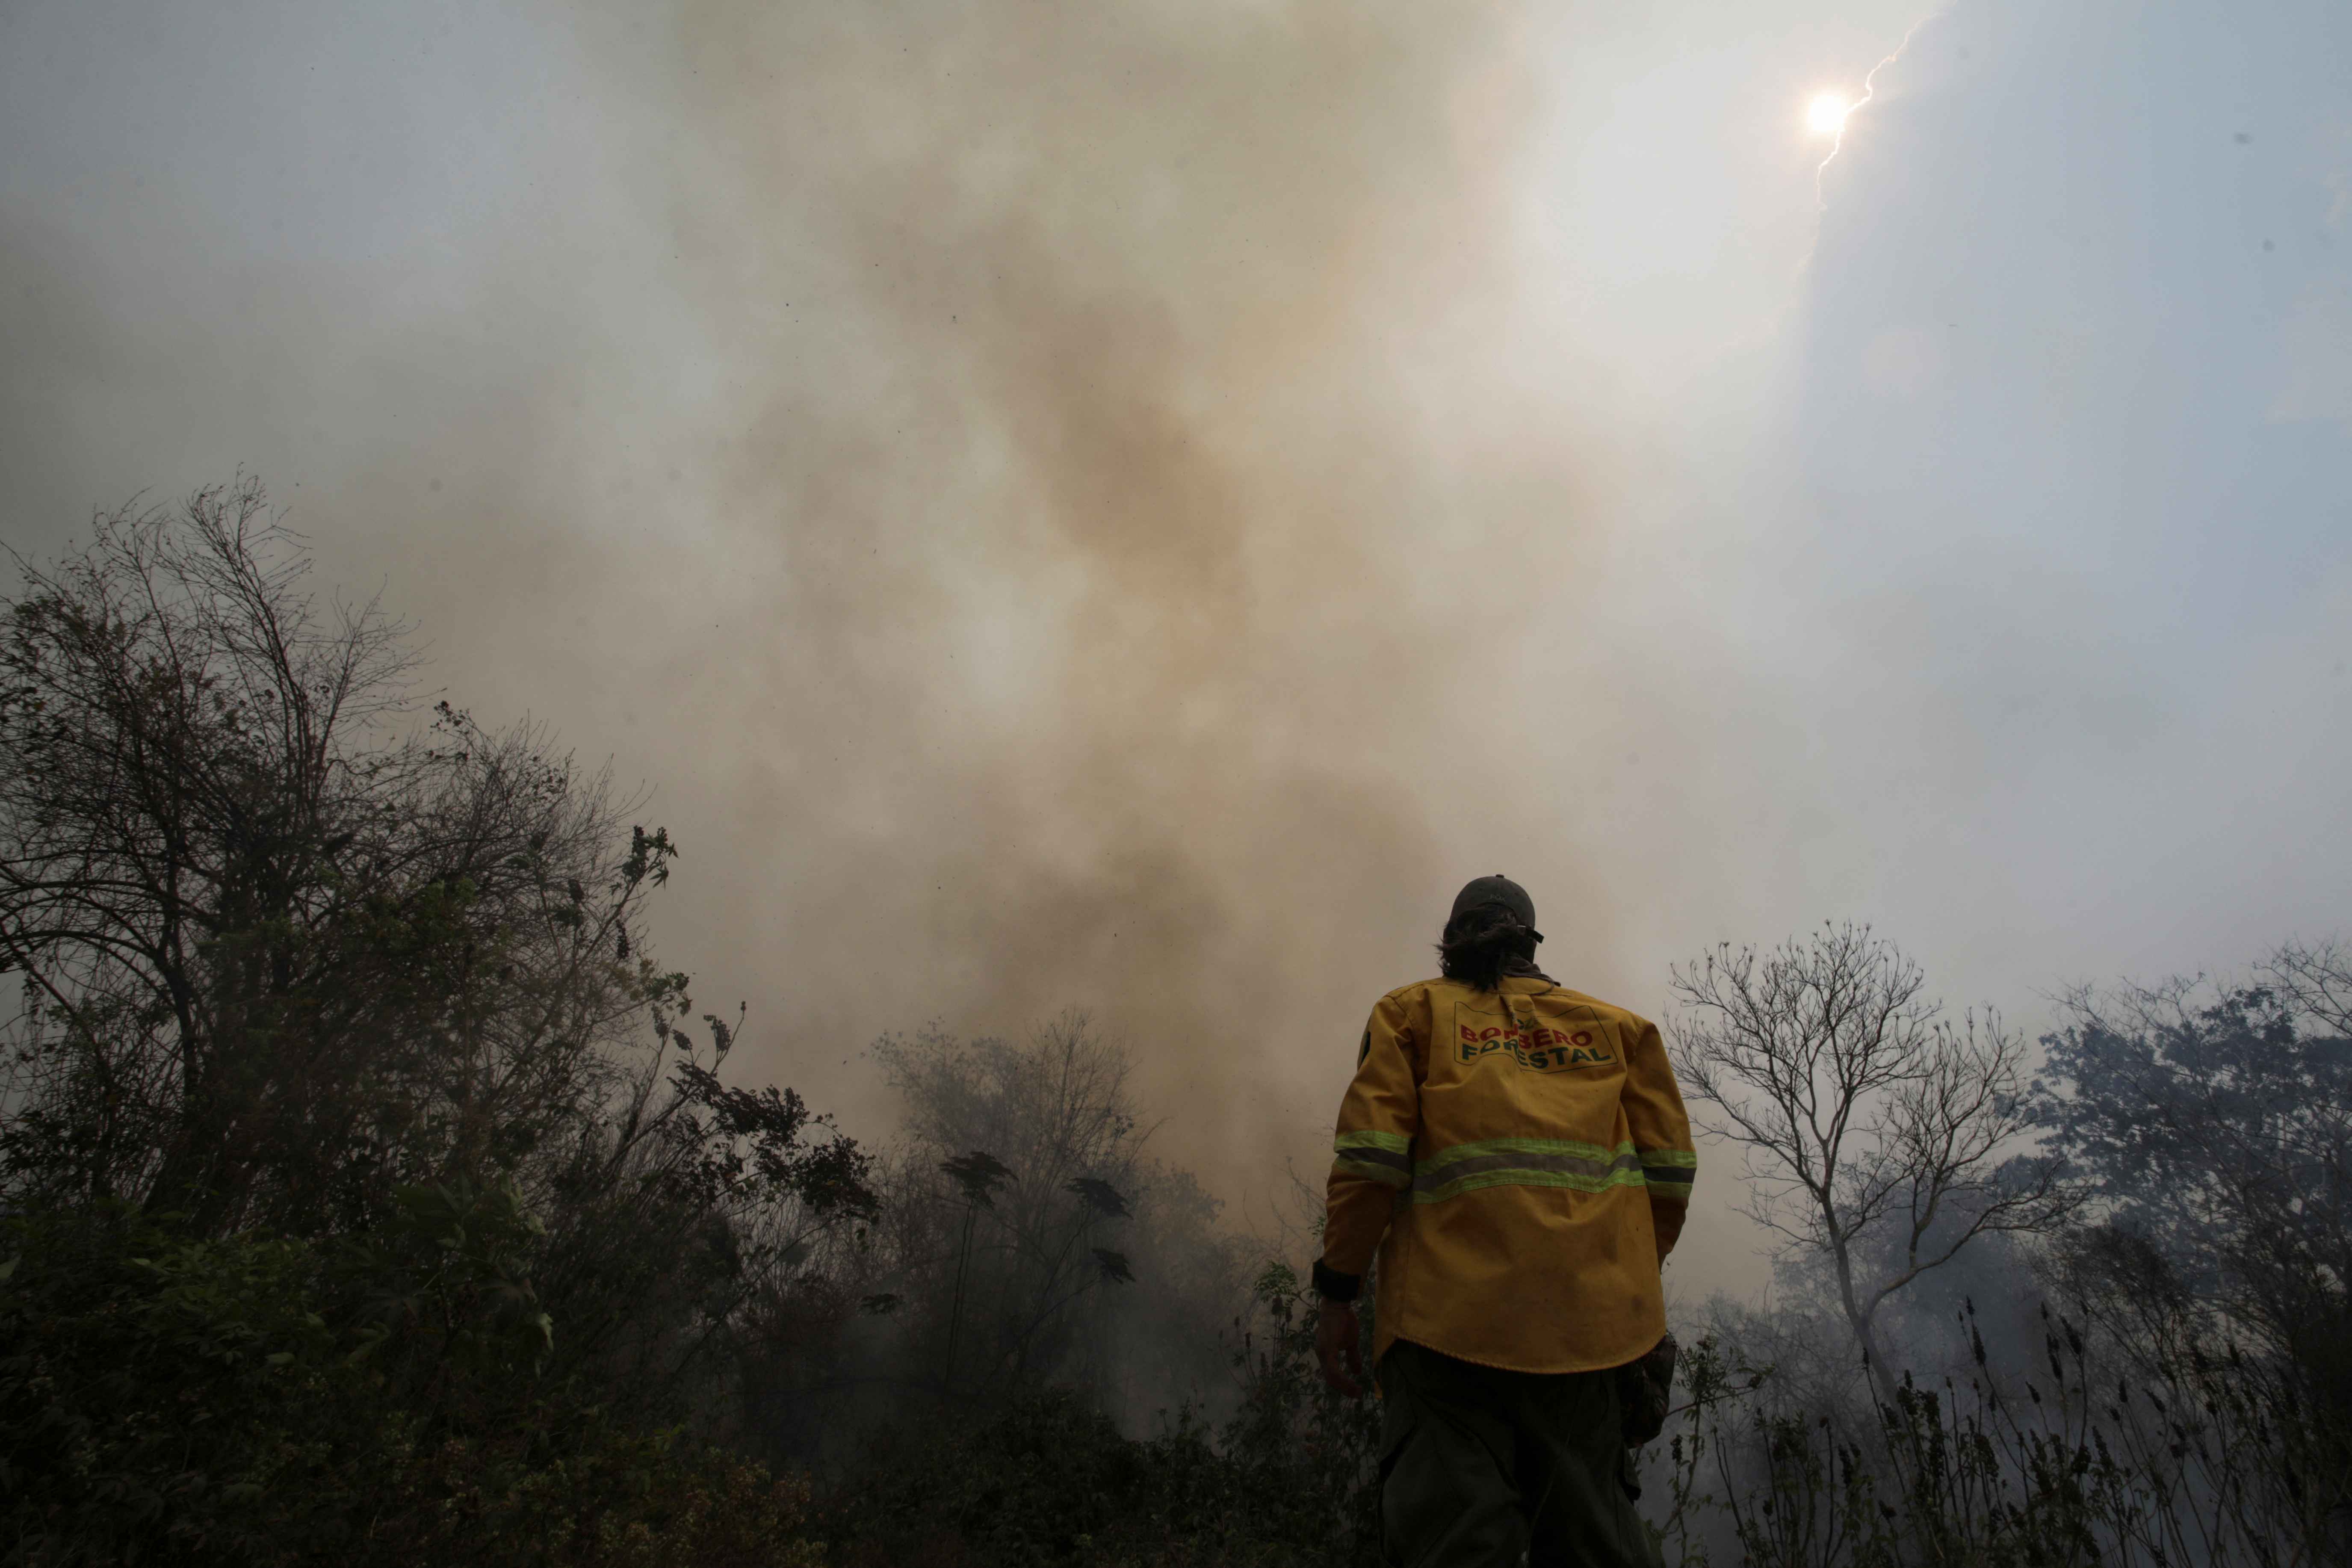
x=1336 y=1339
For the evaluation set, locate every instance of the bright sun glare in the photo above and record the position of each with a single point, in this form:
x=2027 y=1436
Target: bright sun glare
x=1827 y=114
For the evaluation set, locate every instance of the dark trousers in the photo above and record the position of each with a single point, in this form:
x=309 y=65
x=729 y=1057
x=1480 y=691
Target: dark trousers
x=1479 y=1465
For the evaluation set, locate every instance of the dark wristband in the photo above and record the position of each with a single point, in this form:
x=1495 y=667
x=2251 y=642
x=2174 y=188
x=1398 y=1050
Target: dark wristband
x=1334 y=1286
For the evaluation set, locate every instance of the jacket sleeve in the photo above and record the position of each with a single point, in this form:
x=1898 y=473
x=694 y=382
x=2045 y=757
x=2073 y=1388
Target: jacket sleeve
x=1661 y=1132
x=1372 y=1152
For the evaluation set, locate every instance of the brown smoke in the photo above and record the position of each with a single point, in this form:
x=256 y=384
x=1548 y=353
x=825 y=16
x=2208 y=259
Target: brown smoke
x=1069 y=504
x=1138 y=569
x=1129 y=503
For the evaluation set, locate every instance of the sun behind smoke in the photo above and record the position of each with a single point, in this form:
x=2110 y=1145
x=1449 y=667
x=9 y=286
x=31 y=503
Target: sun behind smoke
x=1826 y=114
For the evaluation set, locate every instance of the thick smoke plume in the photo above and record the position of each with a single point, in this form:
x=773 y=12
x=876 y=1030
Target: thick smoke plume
x=1065 y=505
x=1135 y=563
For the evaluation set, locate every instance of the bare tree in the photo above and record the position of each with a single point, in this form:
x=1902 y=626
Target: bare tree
x=2315 y=979
x=277 y=950
x=1877 y=1133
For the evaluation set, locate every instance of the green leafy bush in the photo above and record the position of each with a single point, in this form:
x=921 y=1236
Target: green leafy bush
x=167 y=1397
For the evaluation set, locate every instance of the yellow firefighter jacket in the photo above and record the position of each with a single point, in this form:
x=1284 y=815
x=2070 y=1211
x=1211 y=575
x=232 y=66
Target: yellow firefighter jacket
x=1522 y=1161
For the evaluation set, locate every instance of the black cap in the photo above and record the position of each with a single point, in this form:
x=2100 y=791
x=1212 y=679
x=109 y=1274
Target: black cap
x=1503 y=893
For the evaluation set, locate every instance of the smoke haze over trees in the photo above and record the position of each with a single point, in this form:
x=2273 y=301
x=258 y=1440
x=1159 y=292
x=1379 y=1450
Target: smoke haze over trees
x=371 y=1189
x=1034 y=486
x=2158 y=1378
x=1875 y=1132
x=1121 y=508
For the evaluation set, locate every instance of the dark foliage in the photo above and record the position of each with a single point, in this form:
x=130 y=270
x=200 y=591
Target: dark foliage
x=748 y=1142
x=1048 y=1481
x=2208 y=1126
x=2220 y=1133
x=365 y=1198
x=275 y=959
x=164 y=1397
x=356 y=1204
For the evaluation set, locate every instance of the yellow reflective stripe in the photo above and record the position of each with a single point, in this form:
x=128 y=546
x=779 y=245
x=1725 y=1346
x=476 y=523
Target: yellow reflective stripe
x=1374 y=1165
x=1523 y=1176
x=1383 y=1157
x=1387 y=1158
x=1487 y=1148
x=1551 y=1163
x=1524 y=1162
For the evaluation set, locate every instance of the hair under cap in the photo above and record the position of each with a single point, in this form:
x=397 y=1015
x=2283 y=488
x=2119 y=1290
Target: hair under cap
x=1502 y=892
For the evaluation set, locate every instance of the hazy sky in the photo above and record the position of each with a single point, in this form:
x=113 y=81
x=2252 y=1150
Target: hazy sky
x=1129 y=504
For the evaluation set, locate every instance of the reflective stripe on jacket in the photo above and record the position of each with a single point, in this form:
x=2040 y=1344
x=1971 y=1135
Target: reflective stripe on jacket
x=1521 y=1160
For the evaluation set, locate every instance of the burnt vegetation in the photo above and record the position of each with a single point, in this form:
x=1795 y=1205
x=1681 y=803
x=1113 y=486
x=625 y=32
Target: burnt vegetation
x=371 y=1193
